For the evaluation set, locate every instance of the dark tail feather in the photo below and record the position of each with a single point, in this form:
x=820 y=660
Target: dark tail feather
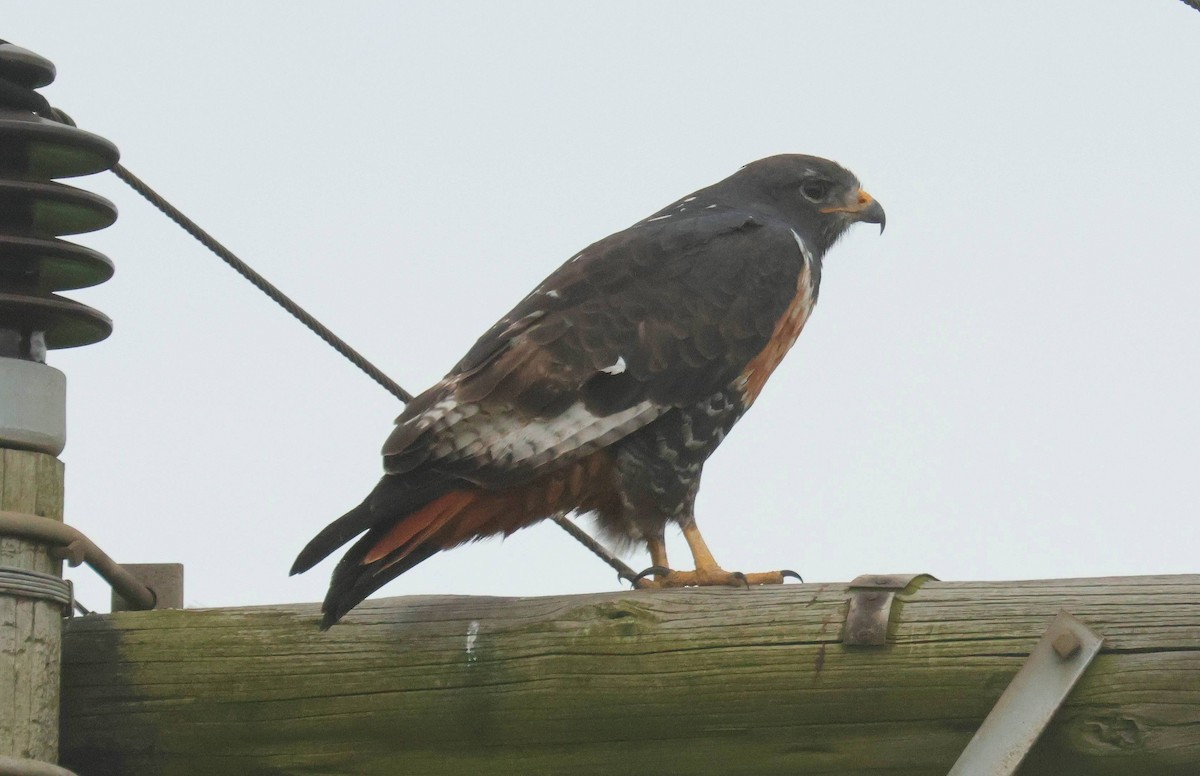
x=352 y=582
x=333 y=536
x=391 y=548
x=391 y=499
x=404 y=526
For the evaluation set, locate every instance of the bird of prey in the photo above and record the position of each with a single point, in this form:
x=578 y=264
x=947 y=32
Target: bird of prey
x=605 y=389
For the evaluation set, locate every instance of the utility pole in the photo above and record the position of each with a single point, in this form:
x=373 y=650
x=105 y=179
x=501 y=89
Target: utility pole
x=38 y=144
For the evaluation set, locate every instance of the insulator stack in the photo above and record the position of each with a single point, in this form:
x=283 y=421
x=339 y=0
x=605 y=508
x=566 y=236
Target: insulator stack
x=38 y=145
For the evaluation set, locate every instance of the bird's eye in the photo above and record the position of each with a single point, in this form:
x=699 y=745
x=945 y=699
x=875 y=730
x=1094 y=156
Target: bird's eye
x=814 y=190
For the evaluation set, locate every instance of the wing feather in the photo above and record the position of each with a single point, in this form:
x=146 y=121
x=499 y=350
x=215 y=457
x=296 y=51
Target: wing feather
x=681 y=304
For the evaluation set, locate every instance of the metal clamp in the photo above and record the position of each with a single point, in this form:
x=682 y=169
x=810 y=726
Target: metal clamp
x=871 y=597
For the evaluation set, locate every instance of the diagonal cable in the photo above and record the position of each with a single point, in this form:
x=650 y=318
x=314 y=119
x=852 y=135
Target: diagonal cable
x=334 y=341
x=261 y=283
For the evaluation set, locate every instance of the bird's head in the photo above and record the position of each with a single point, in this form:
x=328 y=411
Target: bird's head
x=818 y=197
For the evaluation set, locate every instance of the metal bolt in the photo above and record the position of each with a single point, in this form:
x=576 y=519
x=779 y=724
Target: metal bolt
x=1066 y=644
x=73 y=553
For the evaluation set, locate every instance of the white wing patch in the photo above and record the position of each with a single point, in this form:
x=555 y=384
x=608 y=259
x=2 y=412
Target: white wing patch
x=507 y=439
x=446 y=412
x=499 y=436
x=616 y=367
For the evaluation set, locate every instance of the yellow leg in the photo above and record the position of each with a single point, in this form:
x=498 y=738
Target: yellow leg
x=700 y=553
x=707 y=571
x=658 y=552
x=658 y=561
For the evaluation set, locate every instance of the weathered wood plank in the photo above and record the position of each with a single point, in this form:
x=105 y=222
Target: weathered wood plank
x=29 y=629
x=692 y=681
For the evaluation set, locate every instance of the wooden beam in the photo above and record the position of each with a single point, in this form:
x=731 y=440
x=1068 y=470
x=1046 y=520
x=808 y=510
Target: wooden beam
x=715 y=681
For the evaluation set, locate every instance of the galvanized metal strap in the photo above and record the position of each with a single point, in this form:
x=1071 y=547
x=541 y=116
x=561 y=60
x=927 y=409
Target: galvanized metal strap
x=870 y=610
x=1031 y=700
x=27 y=583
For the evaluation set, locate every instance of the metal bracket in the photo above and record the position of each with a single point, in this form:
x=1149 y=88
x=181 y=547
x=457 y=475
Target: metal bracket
x=165 y=581
x=75 y=546
x=871 y=597
x=1030 y=700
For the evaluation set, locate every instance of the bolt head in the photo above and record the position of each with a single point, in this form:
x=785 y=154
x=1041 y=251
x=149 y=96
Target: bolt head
x=1066 y=644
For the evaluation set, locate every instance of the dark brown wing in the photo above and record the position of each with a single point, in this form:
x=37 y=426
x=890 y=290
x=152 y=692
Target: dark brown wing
x=661 y=315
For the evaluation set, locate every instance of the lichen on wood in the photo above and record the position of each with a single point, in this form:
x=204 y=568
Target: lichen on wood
x=703 y=681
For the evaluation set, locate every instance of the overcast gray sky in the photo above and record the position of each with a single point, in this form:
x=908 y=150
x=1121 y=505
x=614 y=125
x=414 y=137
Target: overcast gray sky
x=1004 y=385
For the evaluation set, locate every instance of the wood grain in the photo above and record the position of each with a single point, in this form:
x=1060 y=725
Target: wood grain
x=696 y=681
x=30 y=629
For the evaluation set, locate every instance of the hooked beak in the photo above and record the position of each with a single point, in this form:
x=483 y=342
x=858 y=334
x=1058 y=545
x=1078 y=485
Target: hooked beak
x=865 y=209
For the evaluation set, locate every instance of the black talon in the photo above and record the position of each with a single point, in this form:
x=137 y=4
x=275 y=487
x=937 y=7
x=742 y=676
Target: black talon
x=742 y=578
x=658 y=571
x=789 y=573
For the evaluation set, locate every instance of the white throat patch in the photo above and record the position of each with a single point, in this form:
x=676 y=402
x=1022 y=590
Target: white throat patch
x=804 y=251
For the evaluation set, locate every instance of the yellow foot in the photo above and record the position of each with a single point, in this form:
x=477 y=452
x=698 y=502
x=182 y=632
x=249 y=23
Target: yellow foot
x=713 y=577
